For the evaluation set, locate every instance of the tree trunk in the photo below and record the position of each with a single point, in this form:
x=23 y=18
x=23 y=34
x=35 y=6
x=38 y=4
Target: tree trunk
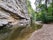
x=52 y=7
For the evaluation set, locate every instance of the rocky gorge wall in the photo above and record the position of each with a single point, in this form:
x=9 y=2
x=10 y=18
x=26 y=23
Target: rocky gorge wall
x=13 y=15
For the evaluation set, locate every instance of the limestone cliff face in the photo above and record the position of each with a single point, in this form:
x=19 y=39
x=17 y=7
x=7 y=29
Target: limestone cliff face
x=13 y=11
x=13 y=14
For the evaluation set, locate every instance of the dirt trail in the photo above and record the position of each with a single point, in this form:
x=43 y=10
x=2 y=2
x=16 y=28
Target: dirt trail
x=45 y=33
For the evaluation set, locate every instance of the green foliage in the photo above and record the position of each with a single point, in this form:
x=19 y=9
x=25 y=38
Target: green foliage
x=31 y=11
x=32 y=14
x=45 y=14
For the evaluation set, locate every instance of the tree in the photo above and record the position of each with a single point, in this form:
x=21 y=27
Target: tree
x=43 y=7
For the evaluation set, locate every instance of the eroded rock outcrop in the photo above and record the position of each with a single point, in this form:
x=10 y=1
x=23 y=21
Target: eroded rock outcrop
x=13 y=14
x=9 y=9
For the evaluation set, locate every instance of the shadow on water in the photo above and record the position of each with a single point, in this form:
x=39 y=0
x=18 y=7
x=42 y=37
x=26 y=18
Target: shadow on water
x=22 y=33
x=15 y=33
